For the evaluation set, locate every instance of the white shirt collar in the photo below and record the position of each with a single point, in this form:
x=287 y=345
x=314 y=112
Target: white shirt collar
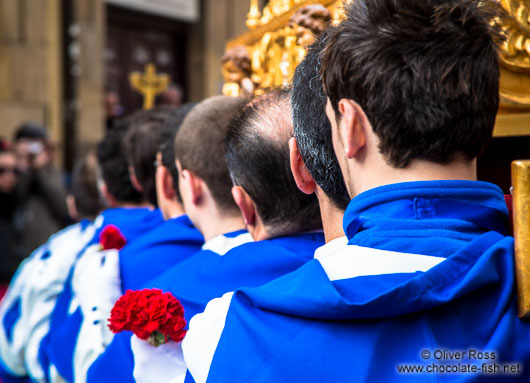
x=331 y=247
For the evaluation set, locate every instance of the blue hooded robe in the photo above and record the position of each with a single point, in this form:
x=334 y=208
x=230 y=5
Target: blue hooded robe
x=57 y=348
x=146 y=257
x=424 y=292
x=31 y=296
x=159 y=250
x=207 y=275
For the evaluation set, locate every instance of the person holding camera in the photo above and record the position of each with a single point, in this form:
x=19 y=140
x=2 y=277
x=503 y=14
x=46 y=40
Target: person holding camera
x=41 y=209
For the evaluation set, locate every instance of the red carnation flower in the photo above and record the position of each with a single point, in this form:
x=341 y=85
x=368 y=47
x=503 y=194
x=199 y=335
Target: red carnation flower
x=112 y=238
x=151 y=314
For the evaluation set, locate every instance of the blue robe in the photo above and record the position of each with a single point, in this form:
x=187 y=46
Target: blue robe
x=207 y=275
x=146 y=257
x=57 y=348
x=27 y=306
x=428 y=272
x=162 y=248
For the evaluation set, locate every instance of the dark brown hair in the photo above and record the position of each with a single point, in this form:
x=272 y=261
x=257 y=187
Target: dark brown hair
x=425 y=72
x=257 y=153
x=141 y=143
x=199 y=145
x=85 y=187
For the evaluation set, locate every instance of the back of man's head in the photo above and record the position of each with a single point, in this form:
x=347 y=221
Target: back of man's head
x=312 y=129
x=199 y=146
x=257 y=153
x=142 y=141
x=88 y=202
x=167 y=149
x=114 y=168
x=30 y=131
x=425 y=72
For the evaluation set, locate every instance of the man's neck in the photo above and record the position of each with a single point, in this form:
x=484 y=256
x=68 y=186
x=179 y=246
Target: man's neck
x=173 y=210
x=220 y=224
x=366 y=179
x=129 y=205
x=331 y=217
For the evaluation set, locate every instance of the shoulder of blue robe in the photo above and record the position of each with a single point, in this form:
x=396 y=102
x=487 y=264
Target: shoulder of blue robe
x=207 y=275
x=429 y=217
x=117 y=361
x=250 y=264
x=27 y=306
x=57 y=347
x=133 y=222
x=95 y=304
x=354 y=320
x=147 y=256
x=155 y=252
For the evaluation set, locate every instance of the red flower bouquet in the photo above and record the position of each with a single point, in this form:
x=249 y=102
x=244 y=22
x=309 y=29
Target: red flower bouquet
x=111 y=238
x=151 y=314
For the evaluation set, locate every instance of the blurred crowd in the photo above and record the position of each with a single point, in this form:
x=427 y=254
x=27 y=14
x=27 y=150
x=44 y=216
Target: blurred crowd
x=36 y=197
x=33 y=196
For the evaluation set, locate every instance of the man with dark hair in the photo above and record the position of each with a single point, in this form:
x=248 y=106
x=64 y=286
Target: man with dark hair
x=258 y=136
x=167 y=150
x=141 y=143
x=176 y=238
x=413 y=91
x=41 y=196
x=282 y=244
x=84 y=200
x=205 y=187
x=148 y=256
x=313 y=162
x=133 y=217
x=116 y=188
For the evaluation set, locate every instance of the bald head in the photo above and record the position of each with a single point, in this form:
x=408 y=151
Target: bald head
x=257 y=153
x=269 y=116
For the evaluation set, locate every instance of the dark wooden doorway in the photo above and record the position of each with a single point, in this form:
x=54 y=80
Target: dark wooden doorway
x=134 y=39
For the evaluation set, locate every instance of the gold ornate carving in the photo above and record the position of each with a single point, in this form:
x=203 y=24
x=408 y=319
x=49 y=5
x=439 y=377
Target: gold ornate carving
x=277 y=41
x=276 y=45
x=254 y=15
x=521 y=220
x=515 y=57
x=236 y=72
x=516 y=49
x=149 y=84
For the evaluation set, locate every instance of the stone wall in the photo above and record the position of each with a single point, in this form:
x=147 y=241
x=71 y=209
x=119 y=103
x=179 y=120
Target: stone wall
x=221 y=20
x=30 y=65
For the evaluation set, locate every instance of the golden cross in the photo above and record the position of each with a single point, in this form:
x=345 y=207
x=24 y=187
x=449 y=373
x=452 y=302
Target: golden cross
x=149 y=84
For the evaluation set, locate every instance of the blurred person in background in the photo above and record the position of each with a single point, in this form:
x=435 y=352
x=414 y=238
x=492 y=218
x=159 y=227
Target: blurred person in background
x=113 y=107
x=41 y=207
x=173 y=96
x=9 y=241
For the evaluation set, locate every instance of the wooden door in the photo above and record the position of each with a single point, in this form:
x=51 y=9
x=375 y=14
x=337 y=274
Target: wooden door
x=134 y=39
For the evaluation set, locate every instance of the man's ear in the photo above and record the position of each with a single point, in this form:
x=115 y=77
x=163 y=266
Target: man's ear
x=301 y=175
x=193 y=185
x=352 y=127
x=168 y=189
x=105 y=194
x=72 y=208
x=246 y=205
x=134 y=181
